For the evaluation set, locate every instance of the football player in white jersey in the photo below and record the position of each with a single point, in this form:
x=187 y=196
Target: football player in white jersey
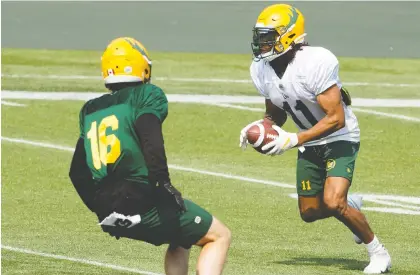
x=302 y=81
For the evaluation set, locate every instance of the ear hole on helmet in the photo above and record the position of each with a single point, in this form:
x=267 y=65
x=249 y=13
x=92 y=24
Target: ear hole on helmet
x=292 y=35
x=282 y=30
x=117 y=67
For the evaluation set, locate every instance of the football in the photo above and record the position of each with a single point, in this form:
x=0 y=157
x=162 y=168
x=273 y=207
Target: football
x=261 y=134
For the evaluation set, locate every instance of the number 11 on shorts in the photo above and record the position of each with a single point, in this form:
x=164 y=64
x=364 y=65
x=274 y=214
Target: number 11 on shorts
x=306 y=186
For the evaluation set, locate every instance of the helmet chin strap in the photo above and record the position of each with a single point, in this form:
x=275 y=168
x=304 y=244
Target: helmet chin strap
x=275 y=55
x=271 y=55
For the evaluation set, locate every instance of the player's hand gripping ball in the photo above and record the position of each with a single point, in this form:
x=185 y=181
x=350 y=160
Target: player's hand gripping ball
x=261 y=134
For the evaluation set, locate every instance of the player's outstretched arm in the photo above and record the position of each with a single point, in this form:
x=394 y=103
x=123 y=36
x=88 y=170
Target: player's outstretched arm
x=331 y=104
x=80 y=175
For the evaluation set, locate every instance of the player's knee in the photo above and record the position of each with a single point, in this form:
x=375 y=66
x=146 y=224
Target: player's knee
x=227 y=235
x=218 y=232
x=309 y=215
x=224 y=234
x=336 y=206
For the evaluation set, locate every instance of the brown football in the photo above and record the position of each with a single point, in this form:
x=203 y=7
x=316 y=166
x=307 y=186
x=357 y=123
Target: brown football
x=261 y=134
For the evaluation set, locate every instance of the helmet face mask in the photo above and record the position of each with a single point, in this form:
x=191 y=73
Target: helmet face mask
x=265 y=43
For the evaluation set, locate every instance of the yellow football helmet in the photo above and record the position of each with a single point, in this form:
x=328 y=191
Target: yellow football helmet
x=278 y=27
x=126 y=60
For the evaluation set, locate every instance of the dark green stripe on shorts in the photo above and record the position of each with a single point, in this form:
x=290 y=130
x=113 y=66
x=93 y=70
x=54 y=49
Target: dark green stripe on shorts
x=316 y=163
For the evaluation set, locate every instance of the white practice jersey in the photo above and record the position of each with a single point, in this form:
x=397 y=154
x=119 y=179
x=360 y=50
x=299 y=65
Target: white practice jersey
x=313 y=71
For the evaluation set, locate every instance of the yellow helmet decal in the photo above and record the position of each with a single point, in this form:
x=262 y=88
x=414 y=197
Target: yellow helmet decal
x=293 y=17
x=138 y=48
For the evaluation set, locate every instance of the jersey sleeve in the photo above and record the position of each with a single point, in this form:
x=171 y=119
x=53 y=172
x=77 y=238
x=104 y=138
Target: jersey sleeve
x=81 y=177
x=152 y=100
x=255 y=71
x=149 y=130
x=82 y=121
x=323 y=74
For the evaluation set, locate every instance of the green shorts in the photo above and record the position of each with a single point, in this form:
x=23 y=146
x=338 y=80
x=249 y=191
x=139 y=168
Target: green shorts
x=179 y=229
x=316 y=163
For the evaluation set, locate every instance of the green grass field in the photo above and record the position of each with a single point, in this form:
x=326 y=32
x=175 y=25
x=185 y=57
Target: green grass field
x=42 y=213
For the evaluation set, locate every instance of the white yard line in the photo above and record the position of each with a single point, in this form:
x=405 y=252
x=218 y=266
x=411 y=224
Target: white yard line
x=222 y=101
x=83 y=261
x=410 y=208
x=240 y=107
x=203 y=80
x=198 y=98
x=373 y=112
x=175 y=167
x=229 y=176
x=14 y=104
x=410 y=201
x=259 y=110
x=385 y=102
x=393 y=210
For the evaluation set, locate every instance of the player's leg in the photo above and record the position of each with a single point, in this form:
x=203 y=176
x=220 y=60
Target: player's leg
x=311 y=208
x=198 y=227
x=335 y=200
x=310 y=176
x=165 y=224
x=310 y=180
x=176 y=260
x=215 y=245
x=340 y=158
x=355 y=201
x=340 y=166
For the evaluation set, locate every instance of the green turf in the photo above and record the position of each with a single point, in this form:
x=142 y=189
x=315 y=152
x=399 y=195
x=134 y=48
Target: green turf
x=269 y=237
x=20 y=263
x=413 y=112
x=42 y=212
x=195 y=65
x=213 y=142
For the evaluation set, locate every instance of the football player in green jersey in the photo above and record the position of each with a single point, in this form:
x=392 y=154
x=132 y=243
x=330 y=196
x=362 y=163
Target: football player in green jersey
x=119 y=167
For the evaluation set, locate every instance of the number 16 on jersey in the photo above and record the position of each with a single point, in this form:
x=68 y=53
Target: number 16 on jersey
x=100 y=142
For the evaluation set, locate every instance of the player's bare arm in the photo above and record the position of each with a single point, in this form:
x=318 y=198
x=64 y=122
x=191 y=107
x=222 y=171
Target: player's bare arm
x=273 y=114
x=334 y=120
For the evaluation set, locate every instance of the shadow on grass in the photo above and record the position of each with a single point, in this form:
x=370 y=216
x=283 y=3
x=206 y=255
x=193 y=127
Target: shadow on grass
x=346 y=264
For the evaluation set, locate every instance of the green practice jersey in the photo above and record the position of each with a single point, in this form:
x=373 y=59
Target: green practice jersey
x=107 y=125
